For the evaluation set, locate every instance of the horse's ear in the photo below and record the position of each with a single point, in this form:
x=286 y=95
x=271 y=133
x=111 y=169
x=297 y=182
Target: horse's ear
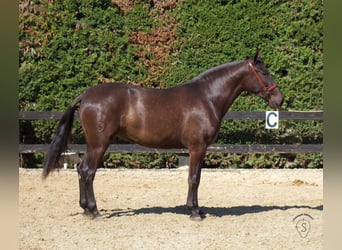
x=256 y=56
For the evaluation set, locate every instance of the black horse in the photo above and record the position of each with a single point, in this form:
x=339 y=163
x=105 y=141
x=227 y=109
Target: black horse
x=185 y=116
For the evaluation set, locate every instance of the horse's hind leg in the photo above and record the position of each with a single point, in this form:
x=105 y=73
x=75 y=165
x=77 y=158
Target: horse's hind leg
x=82 y=187
x=86 y=172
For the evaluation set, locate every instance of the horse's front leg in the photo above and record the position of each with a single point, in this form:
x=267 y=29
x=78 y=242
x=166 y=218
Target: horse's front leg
x=196 y=161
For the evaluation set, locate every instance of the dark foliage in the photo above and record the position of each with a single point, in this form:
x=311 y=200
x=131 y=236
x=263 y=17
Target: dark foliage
x=67 y=46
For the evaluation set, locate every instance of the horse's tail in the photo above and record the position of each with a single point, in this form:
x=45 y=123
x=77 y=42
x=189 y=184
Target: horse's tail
x=60 y=140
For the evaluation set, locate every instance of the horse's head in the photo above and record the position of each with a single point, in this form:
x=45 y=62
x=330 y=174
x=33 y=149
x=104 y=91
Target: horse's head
x=260 y=82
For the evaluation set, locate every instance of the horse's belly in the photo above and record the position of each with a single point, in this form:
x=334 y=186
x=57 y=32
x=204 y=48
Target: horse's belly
x=154 y=135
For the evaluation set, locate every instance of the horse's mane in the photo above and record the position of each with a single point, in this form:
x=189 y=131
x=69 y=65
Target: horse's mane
x=212 y=72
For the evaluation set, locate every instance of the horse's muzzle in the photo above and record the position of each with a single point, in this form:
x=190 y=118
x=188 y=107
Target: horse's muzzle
x=276 y=101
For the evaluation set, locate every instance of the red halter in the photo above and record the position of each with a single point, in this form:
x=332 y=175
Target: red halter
x=261 y=81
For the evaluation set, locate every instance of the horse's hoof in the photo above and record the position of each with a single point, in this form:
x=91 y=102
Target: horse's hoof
x=96 y=214
x=197 y=218
x=97 y=217
x=91 y=215
x=87 y=213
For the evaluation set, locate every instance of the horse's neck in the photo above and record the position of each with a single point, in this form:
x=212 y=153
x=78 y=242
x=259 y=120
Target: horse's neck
x=224 y=88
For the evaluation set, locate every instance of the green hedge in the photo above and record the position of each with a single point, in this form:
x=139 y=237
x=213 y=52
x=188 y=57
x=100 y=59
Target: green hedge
x=70 y=45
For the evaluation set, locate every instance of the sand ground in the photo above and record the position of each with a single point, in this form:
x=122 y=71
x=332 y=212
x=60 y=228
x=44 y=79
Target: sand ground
x=144 y=209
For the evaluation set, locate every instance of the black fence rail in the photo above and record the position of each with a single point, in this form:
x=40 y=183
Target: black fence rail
x=231 y=115
x=222 y=148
